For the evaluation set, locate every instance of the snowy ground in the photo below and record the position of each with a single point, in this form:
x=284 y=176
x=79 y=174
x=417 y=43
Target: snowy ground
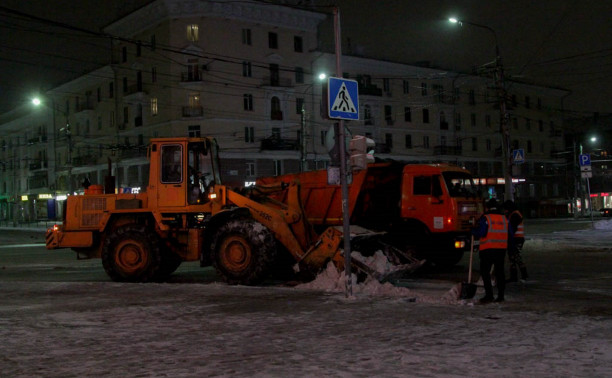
x=76 y=329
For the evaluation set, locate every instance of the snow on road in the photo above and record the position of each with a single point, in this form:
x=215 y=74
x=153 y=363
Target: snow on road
x=599 y=236
x=108 y=329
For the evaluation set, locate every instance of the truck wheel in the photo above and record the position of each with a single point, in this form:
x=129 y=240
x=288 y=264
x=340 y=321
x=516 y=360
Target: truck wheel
x=170 y=262
x=131 y=253
x=243 y=252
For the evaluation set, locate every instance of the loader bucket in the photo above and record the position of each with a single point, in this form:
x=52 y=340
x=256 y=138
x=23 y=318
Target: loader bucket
x=372 y=257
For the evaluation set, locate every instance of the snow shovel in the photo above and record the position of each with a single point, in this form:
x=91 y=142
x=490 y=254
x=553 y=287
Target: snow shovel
x=468 y=289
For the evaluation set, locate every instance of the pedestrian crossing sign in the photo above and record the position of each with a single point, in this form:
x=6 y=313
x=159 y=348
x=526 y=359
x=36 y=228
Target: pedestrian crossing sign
x=343 y=98
x=518 y=156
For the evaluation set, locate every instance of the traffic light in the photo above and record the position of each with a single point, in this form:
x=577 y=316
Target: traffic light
x=361 y=152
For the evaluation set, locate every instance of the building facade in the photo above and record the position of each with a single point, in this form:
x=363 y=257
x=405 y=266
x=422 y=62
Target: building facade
x=248 y=75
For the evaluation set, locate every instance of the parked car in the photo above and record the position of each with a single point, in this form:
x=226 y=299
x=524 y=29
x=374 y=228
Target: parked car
x=606 y=212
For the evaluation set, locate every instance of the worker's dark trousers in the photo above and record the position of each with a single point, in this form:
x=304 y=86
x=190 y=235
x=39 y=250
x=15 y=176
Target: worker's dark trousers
x=489 y=258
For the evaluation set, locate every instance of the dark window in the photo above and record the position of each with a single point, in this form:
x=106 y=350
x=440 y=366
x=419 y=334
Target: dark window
x=297 y=44
x=408 y=143
x=422 y=185
x=423 y=89
x=124 y=54
x=138 y=48
x=389 y=140
x=472 y=97
x=247 y=69
x=248 y=101
x=406 y=87
x=272 y=40
x=299 y=105
x=249 y=134
x=125 y=85
x=407 y=114
x=194 y=131
x=474 y=144
x=111 y=90
x=154 y=74
x=299 y=75
x=274 y=75
x=172 y=164
x=389 y=114
x=246 y=37
x=425 y=115
x=153 y=42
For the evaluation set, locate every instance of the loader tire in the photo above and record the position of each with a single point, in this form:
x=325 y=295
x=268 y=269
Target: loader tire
x=131 y=254
x=243 y=252
x=170 y=262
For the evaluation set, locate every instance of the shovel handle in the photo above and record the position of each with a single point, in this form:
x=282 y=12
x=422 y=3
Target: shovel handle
x=471 y=258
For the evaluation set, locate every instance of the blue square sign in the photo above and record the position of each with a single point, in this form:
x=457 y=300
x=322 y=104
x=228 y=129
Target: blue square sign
x=343 y=98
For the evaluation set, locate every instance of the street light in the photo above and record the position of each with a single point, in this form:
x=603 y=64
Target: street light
x=66 y=130
x=500 y=84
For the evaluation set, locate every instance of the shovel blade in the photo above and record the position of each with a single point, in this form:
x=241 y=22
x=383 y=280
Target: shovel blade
x=468 y=290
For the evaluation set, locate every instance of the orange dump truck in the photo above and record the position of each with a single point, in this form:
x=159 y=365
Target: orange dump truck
x=427 y=209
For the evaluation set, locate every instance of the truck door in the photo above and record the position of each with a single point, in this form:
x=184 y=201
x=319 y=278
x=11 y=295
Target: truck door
x=172 y=186
x=423 y=200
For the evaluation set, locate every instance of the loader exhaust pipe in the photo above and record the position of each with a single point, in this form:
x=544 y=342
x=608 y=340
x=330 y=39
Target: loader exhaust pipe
x=109 y=180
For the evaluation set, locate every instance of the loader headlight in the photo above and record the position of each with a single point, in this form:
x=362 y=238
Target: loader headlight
x=459 y=244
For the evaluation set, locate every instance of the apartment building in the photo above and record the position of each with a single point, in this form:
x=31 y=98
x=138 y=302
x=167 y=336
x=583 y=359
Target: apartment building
x=248 y=75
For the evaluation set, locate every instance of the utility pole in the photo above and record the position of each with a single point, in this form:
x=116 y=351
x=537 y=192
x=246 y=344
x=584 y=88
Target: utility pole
x=505 y=132
x=341 y=147
x=303 y=162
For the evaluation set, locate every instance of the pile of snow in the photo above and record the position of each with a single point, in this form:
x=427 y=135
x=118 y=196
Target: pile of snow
x=332 y=280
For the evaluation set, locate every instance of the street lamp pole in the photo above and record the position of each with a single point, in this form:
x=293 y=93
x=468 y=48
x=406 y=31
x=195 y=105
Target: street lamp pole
x=503 y=110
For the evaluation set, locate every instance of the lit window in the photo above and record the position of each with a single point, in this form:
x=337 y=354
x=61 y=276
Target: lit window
x=194 y=100
x=192 y=32
x=153 y=106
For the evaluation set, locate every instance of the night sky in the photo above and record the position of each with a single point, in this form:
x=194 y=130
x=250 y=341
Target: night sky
x=561 y=43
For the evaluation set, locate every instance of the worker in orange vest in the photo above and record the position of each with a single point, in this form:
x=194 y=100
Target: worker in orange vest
x=515 y=241
x=492 y=231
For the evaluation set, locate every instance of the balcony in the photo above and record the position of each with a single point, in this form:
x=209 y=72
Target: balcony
x=190 y=77
x=276 y=115
x=84 y=160
x=271 y=81
x=135 y=93
x=36 y=165
x=275 y=143
x=447 y=150
x=369 y=90
x=382 y=148
x=133 y=152
x=37 y=139
x=193 y=111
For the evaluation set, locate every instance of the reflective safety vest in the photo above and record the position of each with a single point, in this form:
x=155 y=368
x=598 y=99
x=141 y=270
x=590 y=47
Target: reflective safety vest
x=497 y=233
x=520 y=230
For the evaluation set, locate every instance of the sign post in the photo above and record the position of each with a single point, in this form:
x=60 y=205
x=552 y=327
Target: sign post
x=585 y=172
x=343 y=104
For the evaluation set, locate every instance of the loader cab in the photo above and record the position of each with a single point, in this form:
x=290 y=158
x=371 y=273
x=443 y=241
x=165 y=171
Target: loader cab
x=203 y=170
x=188 y=169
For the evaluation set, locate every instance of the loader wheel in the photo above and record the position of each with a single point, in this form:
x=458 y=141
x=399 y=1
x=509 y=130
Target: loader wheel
x=170 y=262
x=131 y=253
x=243 y=252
